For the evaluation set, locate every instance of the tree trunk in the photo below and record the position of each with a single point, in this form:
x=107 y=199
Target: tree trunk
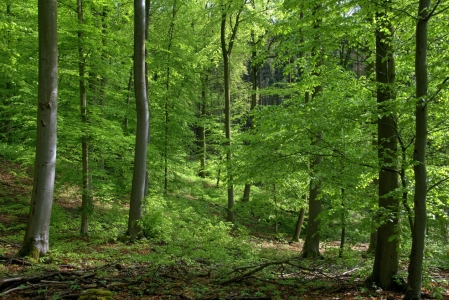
x=86 y=203
x=203 y=106
x=386 y=256
x=372 y=242
x=5 y=120
x=311 y=246
x=140 y=90
x=226 y=50
x=414 y=282
x=230 y=184
x=343 y=224
x=128 y=98
x=247 y=190
x=167 y=89
x=373 y=235
x=298 y=227
x=36 y=237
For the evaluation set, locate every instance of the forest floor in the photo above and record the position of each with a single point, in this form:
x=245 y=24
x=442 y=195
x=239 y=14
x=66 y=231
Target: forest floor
x=81 y=265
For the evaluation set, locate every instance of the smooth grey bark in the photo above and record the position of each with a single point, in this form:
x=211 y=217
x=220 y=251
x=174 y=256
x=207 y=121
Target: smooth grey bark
x=140 y=157
x=386 y=256
x=414 y=282
x=86 y=202
x=226 y=50
x=36 y=240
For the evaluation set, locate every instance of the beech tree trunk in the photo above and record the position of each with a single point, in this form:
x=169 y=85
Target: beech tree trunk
x=230 y=184
x=86 y=203
x=167 y=90
x=140 y=90
x=203 y=106
x=343 y=224
x=298 y=226
x=36 y=241
x=386 y=256
x=226 y=50
x=247 y=189
x=414 y=282
x=311 y=247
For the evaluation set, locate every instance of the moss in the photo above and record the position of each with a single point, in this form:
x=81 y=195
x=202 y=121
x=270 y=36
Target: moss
x=96 y=294
x=29 y=250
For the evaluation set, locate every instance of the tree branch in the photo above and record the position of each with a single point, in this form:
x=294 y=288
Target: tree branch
x=437 y=183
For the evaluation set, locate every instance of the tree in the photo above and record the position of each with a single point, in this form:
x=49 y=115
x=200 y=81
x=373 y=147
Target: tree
x=226 y=50
x=170 y=34
x=140 y=90
x=254 y=68
x=36 y=240
x=386 y=256
x=311 y=247
x=414 y=281
x=86 y=205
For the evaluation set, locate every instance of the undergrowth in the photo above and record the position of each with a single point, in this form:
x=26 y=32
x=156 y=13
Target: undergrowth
x=185 y=229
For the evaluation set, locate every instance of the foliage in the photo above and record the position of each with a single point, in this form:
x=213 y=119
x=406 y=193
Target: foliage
x=184 y=221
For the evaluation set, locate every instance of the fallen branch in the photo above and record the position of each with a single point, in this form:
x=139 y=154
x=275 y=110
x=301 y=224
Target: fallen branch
x=349 y=272
x=16 y=289
x=249 y=273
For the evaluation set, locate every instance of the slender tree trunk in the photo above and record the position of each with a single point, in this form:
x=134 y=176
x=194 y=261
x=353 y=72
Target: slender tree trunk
x=104 y=39
x=128 y=97
x=5 y=122
x=227 y=83
x=386 y=256
x=343 y=224
x=140 y=90
x=226 y=50
x=103 y=81
x=299 y=223
x=414 y=282
x=372 y=242
x=404 y=184
x=203 y=107
x=311 y=247
x=247 y=190
x=147 y=30
x=167 y=89
x=36 y=241
x=86 y=203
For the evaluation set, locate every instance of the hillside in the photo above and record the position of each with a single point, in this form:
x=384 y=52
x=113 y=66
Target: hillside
x=222 y=264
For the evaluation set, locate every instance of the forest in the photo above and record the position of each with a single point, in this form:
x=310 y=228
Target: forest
x=229 y=149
